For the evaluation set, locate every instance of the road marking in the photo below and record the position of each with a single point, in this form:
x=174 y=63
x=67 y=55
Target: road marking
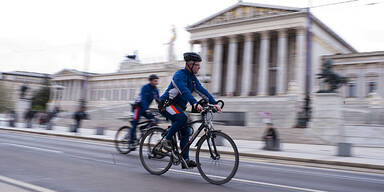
x=332 y=172
x=23 y=184
x=59 y=138
x=253 y=182
x=34 y=148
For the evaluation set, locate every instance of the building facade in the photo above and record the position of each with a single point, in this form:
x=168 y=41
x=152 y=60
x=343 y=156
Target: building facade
x=103 y=90
x=261 y=50
x=13 y=81
x=365 y=72
x=256 y=57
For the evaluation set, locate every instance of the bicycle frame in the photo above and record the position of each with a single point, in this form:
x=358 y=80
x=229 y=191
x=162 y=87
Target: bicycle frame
x=208 y=131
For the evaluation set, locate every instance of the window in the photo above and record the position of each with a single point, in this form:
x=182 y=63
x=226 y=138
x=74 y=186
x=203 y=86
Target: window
x=132 y=94
x=108 y=95
x=371 y=87
x=351 y=90
x=100 y=94
x=115 y=95
x=124 y=95
x=93 y=95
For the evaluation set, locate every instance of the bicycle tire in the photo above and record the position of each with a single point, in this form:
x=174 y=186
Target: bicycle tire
x=147 y=142
x=235 y=153
x=121 y=145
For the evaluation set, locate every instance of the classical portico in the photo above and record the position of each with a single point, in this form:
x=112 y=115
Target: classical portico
x=259 y=50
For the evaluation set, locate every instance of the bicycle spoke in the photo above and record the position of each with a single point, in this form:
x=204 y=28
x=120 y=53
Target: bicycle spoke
x=153 y=160
x=121 y=140
x=219 y=167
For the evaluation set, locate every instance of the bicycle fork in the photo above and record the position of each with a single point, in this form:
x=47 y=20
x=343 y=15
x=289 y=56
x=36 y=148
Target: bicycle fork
x=214 y=154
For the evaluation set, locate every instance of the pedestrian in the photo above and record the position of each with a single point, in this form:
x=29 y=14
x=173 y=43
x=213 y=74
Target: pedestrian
x=271 y=138
x=78 y=116
x=12 y=118
x=28 y=116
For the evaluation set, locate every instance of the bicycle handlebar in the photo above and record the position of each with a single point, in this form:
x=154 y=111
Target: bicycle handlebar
x=211 y=107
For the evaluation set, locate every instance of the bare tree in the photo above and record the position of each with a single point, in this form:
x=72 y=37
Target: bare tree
x=5 y=98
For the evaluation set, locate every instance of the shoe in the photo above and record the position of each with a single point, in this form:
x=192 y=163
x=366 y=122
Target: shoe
x=190 y=163
x=131 y=146
x=166 y=146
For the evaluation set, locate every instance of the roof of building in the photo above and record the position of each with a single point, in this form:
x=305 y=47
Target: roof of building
x=291 y=11
x=27 y=73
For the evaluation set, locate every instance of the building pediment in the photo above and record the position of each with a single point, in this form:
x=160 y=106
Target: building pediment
x=72 y=72
x=243 y=11
x=67 y=72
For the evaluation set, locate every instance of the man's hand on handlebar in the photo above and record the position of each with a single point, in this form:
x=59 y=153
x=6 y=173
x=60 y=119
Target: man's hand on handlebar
x=198 y=107
x=218 y=108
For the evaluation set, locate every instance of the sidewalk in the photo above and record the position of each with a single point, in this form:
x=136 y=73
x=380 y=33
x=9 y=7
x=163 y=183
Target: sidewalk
x=363 y=157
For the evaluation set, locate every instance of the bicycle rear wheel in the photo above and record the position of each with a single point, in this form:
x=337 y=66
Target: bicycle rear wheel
x=153 y=160
x=223 y=168
x=121 y=140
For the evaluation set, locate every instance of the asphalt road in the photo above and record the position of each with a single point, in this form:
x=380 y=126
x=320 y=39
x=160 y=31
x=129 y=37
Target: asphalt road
x=64 y=164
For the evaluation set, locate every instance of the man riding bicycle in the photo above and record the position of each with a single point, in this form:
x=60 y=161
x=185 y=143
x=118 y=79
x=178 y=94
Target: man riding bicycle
x=176 y=97
x=148 y=93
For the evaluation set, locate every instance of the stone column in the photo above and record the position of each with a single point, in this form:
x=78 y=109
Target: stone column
x=247 y=67
x=51 y=94
x=74 y=91
x=231 y=70
x=78 y=90
x=300 y=59
x=191 y=43
x=263 y=62
x=204 y=58
x=381 y=81
x=361 y=83
x=282 y=62
x=71 y=85
x=217 y=66
x=65 y=92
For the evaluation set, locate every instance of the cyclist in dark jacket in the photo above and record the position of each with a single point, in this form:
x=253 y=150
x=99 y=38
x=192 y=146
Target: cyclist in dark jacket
x=179 y=92
x=149 y=92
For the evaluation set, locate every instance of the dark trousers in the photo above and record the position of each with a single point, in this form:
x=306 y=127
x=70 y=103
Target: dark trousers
x=179 y=123
x=77 y=125
x=138 y=112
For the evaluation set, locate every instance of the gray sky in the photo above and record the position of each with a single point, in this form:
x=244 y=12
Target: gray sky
x=49 y=35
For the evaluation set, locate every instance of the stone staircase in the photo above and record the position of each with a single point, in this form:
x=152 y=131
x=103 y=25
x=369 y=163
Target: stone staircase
x=362 y=114
x=292 y=135
x=281 y=108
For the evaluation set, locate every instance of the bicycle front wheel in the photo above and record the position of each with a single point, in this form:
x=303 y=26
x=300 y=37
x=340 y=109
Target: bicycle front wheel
x=217 y=158
x=121 y=140
x=153 y=159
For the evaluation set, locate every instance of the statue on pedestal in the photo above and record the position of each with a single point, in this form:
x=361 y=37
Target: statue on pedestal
x=23 y=91
x=171 y=51
x=333 y=79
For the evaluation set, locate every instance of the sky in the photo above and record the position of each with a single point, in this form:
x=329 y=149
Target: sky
x=47 y=36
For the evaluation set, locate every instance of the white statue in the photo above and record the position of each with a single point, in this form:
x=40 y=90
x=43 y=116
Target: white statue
x=171 y=51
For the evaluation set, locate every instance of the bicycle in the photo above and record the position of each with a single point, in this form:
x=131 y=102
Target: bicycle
x=123 y=134
x=213 y=149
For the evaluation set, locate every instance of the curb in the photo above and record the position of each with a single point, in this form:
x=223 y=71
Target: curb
x=58 y=134
x=305 y=160
x=315 y=161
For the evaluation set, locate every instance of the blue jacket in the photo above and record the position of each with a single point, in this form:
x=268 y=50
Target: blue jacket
x=147 y=94
x=180 y=90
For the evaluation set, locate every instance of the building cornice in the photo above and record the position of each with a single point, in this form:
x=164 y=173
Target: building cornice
x=242 y=4
x=355 y=55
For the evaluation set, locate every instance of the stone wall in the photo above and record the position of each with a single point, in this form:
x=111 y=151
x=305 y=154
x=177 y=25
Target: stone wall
x=284 y=109
x=334 y=122
x=364 y=135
